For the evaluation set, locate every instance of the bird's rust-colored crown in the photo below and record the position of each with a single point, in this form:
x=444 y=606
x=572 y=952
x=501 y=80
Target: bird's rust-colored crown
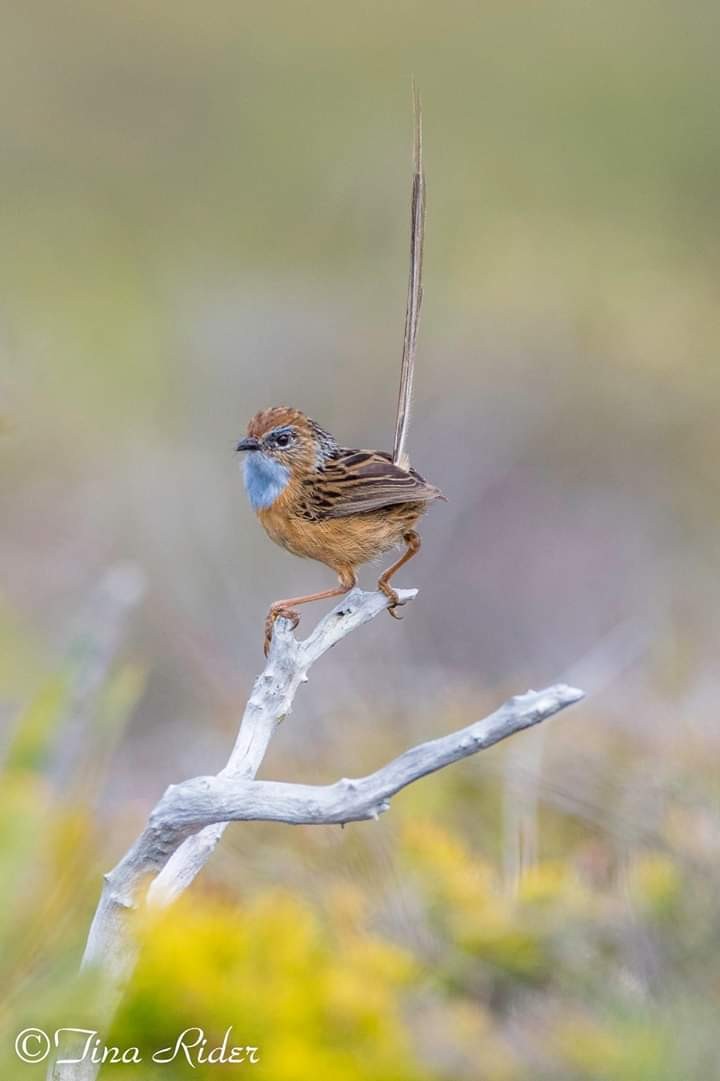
x=276 y=417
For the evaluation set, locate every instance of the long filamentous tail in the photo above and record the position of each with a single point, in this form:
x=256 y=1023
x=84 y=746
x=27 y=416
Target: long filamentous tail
x=415 y=293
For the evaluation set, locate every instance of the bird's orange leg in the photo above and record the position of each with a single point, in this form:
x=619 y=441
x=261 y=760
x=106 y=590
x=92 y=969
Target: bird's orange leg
x=412 y=539
x=285 y=609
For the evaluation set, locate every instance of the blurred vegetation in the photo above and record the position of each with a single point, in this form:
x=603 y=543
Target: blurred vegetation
x=203 y=211
x=395 y=951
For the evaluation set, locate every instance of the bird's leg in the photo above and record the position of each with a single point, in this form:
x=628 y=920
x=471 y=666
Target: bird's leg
x=412 y=539
x=285 y=609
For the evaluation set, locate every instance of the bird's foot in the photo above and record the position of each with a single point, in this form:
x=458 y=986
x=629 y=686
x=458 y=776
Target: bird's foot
x=392 y=596
x=278 y=613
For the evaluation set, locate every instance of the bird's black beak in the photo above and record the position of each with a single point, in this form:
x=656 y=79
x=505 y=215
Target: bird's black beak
x=248 y=444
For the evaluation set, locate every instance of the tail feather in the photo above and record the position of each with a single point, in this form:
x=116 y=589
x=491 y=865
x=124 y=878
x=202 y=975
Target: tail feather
x=414 y=296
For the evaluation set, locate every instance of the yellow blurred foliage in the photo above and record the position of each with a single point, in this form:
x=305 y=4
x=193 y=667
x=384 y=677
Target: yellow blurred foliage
x=599 y=1053
x=315 y=1002
x=655 y=884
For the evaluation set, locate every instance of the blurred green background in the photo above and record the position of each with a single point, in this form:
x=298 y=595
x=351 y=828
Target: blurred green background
x=204 y=211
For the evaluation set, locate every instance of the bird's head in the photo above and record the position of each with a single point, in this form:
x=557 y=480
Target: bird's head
x=281 y=443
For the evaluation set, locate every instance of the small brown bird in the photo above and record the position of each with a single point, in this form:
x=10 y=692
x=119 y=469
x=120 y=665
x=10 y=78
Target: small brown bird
x=339 y=506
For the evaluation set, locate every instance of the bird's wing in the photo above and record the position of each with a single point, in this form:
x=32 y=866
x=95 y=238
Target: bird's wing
x=414 y=297
x=362 y=480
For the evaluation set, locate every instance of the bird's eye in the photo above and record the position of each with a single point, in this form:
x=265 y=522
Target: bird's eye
x=283 y=439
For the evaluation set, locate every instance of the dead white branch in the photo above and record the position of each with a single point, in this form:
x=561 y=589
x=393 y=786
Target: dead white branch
x=188 y=821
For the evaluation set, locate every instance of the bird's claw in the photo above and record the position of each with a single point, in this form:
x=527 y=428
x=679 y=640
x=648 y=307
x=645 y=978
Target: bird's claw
x=278 y=613
x=394 y=599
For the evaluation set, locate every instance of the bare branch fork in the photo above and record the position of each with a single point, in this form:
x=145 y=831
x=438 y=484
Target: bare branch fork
x=189 y=819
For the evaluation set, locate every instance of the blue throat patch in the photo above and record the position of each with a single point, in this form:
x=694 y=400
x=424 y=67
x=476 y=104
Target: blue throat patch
x=265 y=479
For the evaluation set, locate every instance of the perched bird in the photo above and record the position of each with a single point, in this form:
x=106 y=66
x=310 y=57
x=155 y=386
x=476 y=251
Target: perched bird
x=326 y=502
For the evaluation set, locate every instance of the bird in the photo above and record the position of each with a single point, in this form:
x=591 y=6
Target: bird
x=340 y=506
